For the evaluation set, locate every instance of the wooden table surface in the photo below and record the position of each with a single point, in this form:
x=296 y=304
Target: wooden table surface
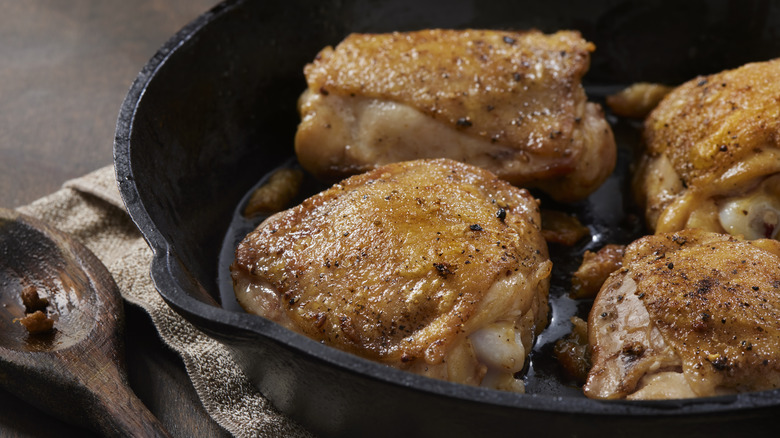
x=65 y=67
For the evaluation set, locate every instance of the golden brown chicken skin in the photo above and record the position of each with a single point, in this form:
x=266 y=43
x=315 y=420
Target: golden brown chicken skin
x=511 y=102
x=690 y=314
x=712 y=156
x=432 y=266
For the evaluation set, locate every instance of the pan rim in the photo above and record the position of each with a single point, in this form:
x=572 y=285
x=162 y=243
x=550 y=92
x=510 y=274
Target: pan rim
x=235 y=327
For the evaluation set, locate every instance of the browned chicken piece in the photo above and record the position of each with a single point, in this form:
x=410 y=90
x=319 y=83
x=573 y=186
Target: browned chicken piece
x=432 y=266
x=637 y=100
x=713 y=155
x=573 y=352
x=275 y=194
x=32 y=300
x=37 y=323
x=511 y=102
x=594 y=270
x=690 y=314
x=561 y=228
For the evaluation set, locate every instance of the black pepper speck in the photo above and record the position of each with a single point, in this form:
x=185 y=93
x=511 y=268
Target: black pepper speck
x=464 y=122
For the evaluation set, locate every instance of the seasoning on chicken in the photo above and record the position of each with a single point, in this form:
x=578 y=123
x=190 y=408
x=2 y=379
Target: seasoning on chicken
x=510 y=102
x=690 y=314
x=713 y=155
x=432 y=266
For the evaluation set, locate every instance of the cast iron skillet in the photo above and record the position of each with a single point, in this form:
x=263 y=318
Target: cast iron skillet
x=214 y=111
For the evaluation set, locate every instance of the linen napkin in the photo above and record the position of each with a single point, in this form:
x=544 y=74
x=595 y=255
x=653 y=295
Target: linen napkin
x=91 y=209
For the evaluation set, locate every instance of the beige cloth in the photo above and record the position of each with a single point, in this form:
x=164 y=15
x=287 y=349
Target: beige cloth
x=91 y=209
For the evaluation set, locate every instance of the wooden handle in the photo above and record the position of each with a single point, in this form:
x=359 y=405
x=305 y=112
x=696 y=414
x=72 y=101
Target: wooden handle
x=124 y=414
x=113 y=408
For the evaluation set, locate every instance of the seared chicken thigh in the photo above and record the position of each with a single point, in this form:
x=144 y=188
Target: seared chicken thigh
x=690 y=314
x=510 y=102
x=713 y=155
x=432 y=266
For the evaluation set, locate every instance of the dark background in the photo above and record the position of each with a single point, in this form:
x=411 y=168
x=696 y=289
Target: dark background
x=65 y=67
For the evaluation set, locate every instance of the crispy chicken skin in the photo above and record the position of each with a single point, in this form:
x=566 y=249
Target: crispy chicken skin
x=713 y=155
x=690 y=314
x=587 y=280
x=637 y=100
x=433 y=266
x=510 y=102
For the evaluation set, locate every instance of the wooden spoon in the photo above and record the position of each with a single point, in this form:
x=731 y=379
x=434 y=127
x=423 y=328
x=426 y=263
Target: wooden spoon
x=76 y=370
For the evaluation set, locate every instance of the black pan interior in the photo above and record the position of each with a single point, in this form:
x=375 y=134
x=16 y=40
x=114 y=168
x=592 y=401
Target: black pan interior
x=214 y=112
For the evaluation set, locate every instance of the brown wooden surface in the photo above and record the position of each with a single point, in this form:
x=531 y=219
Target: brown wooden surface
x=65 y=67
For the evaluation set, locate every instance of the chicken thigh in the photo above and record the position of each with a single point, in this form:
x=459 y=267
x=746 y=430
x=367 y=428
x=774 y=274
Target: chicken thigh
x=690 y=314
x=511 y=102
x=431 y=266
x=712 y=157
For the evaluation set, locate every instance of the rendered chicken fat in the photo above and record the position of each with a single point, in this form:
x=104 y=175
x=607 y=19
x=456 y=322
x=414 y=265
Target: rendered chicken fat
x=431 y=266
x=755 y=215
